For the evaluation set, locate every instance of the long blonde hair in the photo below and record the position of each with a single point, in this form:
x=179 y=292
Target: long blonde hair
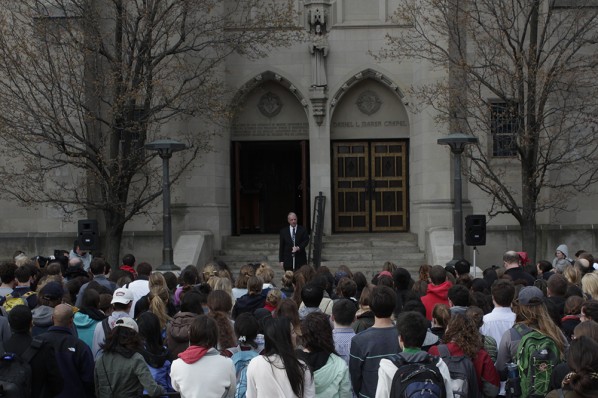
x=536 y=317
x=158 y=298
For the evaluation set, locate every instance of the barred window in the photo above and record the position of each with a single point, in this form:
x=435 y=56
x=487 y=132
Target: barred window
x=503 y=127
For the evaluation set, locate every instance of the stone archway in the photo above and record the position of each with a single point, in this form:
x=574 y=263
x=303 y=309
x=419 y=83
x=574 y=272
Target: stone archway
x=269 y=137
x=369 y=133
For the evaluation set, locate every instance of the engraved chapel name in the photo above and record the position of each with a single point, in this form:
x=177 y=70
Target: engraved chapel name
x=373 y=123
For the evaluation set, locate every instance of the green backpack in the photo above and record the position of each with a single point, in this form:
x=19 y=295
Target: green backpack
x=537 y=355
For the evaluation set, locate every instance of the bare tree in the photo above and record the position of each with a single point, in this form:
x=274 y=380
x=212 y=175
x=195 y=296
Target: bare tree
x=523 y=79
x=84 y=84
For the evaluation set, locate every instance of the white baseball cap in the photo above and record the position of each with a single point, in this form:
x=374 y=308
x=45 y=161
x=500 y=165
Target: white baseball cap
x=122 y=296
x=127 y=322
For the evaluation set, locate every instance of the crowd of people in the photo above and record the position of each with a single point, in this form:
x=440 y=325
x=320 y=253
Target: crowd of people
x=88 y=330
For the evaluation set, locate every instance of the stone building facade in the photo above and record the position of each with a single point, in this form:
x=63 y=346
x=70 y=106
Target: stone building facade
x=323 y=116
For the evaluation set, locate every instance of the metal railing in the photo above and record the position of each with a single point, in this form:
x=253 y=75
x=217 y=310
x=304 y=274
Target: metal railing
x=317 y=231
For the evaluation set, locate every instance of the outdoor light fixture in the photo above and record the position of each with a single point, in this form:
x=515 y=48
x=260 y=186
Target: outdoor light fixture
x=165 y=149
x=457 y=142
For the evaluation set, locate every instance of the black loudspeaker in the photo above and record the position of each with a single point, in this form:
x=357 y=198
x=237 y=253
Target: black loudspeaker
x=88 y=235
x=475 y=230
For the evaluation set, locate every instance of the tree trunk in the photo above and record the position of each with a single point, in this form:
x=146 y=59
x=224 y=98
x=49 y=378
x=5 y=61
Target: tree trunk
x=528 y=237
x=112 y=239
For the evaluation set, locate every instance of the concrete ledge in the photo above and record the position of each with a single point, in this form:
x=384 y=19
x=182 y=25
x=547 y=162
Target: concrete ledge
x=194 y=248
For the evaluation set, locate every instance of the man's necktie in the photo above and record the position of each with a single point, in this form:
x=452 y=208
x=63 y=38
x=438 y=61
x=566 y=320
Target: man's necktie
x=293 y=235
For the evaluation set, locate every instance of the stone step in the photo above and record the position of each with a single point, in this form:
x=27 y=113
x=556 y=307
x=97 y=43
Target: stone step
x=360 y=252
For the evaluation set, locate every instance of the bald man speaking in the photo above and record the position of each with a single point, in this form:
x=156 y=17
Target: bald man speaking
x=293 y=241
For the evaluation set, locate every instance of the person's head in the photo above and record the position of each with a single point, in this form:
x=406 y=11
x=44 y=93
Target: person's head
x=462 y=267
x=573 y=305
x=265 y=272
x=530 y=309
x=383 y=300
x=343 y=312
x=150 y=330
x=190 y=276
x=589 y=311
x=144 y=269
x=274 y=297
x=292 y=219
x=583 y=361
x=19 y=319
x=287 y=279
x=589 y=284
x=51 y=294
x=312 y=295
x=63 y=315
x=416 y=305
x=588 y=328
x=441 y=315
x=254 y=285
x=317 y=333
x=503 y=292
x=171 y=280
x=23 y=274
x=556 y=286
x=97 y=266
x=561 y=252
x=361 y=281
x=402 y=279
x=572 y=274
x=7 y=272
x=246 y=272
x=437 y=275
x=346 y=288
x=476 y=314
x=129 y=260
x=462 y=331
x=90 y=299
x=192 y=302
x=203 y=332
x=288 y=309
x=511 y=259
x=543 y=266
x=412 y=327
x=124 y=338
x=246 y=329
x=220 y=301
x=458 y=295
x=122 y=299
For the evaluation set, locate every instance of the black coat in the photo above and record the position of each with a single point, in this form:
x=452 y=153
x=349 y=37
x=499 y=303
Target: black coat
x=285 y=252
x=46 y=380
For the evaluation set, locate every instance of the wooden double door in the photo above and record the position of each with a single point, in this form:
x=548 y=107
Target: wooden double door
x=370 y=186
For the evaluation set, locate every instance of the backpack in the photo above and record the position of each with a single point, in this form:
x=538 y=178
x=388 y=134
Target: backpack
x=464 y=380
x=241 y=359
x=15 y=371
x=537 y=355
x=11 y=300
x=417 y=379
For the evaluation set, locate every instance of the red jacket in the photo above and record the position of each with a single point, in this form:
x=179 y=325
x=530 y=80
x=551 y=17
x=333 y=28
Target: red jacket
x=484 y=367
x=437 y=294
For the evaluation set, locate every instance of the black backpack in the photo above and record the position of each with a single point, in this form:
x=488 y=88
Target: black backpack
x=15 y=371
x=417 y=379
x=464 y=379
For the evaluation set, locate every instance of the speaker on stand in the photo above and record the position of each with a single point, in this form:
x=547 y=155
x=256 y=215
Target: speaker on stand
x=475 y=234
x=88 y=236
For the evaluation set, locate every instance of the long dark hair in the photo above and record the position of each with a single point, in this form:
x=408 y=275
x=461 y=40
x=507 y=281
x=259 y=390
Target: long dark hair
x=277 y=335
x=122 y=340
x=151 y=332
x=317 y=333
x=583 y=360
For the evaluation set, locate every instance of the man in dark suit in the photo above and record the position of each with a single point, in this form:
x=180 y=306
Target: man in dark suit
x=293 y=241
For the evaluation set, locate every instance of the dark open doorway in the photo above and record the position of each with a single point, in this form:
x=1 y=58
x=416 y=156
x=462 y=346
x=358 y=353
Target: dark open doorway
x=270 y=179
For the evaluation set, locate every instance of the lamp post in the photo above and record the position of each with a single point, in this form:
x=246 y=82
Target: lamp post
x=165 y=149
x=457 y=142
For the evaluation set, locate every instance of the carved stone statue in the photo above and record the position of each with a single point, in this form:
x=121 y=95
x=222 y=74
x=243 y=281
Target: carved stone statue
x=318 y=48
